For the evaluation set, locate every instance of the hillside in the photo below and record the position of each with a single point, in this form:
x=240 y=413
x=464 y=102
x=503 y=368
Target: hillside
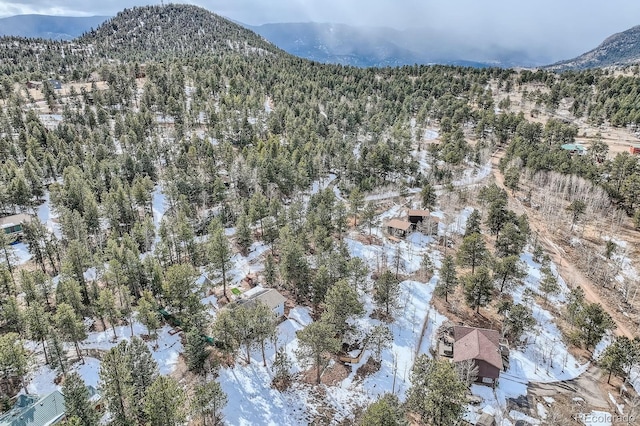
x=49 y=27
x=173 y=30
x=619 y=49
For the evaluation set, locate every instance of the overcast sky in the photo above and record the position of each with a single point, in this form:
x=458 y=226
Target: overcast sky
x=562 y=28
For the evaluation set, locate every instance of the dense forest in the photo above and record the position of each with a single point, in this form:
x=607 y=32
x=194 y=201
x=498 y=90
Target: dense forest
x=234 y=133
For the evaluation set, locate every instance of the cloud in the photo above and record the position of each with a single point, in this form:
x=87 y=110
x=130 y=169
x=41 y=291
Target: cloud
x=561 y=28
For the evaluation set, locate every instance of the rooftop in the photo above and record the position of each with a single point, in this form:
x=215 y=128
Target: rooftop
x=399 y=224
x=416 y=212
x=34 y=410
x=477 y=343
x=14 y=219
x=269 y=296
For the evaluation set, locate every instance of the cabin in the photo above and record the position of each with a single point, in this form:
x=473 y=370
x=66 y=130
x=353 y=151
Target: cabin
x=13 y=225
x=33 y=84
x=574 y=148
x=424 y=220
x=484 y=348
x=634 y=149
x=398 y=227
x=269 y=296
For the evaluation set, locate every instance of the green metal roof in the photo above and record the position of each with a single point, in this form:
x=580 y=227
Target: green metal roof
x=573 y=147
x=31 y=410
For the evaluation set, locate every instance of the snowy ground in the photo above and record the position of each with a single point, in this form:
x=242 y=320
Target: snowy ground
x=41 y=381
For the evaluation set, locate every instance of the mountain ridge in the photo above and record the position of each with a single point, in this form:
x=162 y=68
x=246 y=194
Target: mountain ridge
x=619 y=49
x=49 y=26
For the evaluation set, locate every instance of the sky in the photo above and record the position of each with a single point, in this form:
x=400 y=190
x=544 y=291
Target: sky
x=561 y=28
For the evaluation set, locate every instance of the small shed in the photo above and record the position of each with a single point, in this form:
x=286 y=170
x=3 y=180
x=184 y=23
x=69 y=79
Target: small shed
x=398 y=227
x=56 y=84
x=418 y=216
x=33 y=84
x=13 y=225
x=634 y=149
x=486 y=419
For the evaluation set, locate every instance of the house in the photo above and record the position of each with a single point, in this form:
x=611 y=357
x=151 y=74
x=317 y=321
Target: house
x=55 y=84
x=484 y=347
x=33 y=84
x=34 y=410
x=269 y=296
x=398 y=228
x=574 y=148
x=13 y=225
x=634 y=149
x=424 y=219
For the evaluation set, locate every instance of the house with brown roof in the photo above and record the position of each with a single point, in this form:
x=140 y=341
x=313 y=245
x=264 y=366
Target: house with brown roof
x=423 y=218
x=398 y=227
x=484 y=347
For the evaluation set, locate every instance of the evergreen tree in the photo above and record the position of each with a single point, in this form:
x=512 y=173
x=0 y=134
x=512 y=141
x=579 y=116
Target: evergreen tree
x=473 y=252
x=148 y=313
x=208 y=403
x=548 y=283
x=76 y=400
x=164 y=403
x=144 y=371
x=219 y=252
x=369 y=216
x=593 y=322
x=473 y=223
x=70 y=326
x=13 y=358
x=115 y=384
x=386 y=411
x=106 y=307
x=508 y=271
x=517 y=319
x=243 y=233
x=356 y=201
x=478 y=288
x=315 y=342
x=58 y=359
x=38 y=324
x=341 y=304
x=264 y=327
x=448 y=278
x=436 y=392
x=428 y=196
x=195 y=351
x=386 y=292
x=379 y=338
x=179 y=286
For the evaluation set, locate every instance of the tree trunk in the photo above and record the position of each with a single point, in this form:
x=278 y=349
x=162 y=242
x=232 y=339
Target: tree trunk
x=264 y=358
x=609 y=378
x=44 y=349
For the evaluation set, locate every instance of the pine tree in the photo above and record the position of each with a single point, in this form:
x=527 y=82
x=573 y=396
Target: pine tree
x=548 y=283
x=508 y=271
x=70 y=326
x=379 y=338
x=356 y=200
x=387 y=292
x=76 y=400
x=195 y=351
x=148 y=314
x=106 y=307
x=473 y=252
x=115 y=379
x=13 y=358
x=209 y=401
x=219 y=253
x=448 y=278
x=164 y=403
x=428 y=196
x=315 y=342
x=38 y=323
x=58 y=359
x=341 y=304
x=144 y=371
x=243 y=233
x=179 y=286
x=478 y=288
x=369 y=216
x=385 y=411
x=264 y=327
x=282 y=369
x=436 y=392
x=593 y=322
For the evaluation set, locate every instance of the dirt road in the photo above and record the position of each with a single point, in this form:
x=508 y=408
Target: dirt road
x=566 y=268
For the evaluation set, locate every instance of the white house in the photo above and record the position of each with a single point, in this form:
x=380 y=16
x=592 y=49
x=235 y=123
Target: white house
x=269 y=296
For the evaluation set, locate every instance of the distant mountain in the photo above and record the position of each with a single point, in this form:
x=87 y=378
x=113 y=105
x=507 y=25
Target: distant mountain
x=379 y=46
x=173 y=30
x=49 y=27
x=619 y=49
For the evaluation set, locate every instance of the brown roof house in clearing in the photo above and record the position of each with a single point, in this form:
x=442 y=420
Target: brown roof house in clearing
x=423 y=218
x=398 y=228
x=484 y=347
